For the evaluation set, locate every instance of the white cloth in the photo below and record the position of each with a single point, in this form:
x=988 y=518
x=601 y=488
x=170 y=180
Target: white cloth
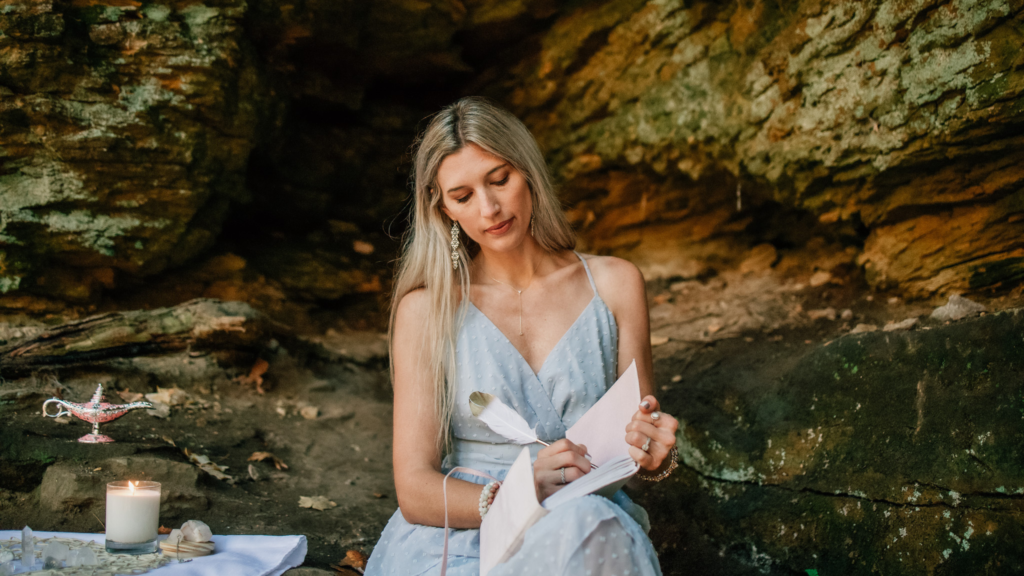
x=233 y=555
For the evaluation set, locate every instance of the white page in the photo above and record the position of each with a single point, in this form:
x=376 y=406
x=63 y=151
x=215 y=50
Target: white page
x=603 y=428
x=514 y=509
x=605 y=481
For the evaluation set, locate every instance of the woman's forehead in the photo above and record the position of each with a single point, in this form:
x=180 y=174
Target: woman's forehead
x=466 y=166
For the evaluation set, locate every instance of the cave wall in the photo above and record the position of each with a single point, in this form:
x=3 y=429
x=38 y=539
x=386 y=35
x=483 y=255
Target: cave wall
x=901 y=119
x=682 y=133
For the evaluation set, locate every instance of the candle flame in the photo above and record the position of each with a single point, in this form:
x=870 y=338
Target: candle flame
x=132 y=486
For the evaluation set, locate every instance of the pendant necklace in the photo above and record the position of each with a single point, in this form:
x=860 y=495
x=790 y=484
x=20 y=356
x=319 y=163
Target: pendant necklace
x=518 y=291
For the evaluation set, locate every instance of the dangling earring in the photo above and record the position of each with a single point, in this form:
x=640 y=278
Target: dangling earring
x=532 y=218
x=455 y=246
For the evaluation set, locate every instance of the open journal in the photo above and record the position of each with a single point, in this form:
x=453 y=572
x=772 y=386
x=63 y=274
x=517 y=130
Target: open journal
x=603 y=430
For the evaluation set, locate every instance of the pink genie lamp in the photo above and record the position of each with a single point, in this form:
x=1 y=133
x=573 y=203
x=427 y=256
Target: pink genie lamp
x=95 y=411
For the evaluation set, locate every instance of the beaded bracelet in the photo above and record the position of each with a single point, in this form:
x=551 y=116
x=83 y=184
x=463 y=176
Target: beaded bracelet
x=674 y=455
x=487 y=497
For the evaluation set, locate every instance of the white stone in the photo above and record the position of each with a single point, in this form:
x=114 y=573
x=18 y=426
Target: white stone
x=86 y=557
x=6 y=555
x=196 y=531
x=7 y=568
x=54 y=555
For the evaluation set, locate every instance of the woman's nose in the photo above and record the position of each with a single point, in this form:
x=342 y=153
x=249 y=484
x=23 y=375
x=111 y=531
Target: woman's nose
x=490 y=206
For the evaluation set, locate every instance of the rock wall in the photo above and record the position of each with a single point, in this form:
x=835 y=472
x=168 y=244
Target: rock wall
x=880 y=453
x=683 y=133
x=125 y=129
x=901 y=119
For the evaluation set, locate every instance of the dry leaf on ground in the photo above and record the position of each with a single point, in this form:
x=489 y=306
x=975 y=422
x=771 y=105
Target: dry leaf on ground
x=129 y=396
x=309 y=412
x=316 y=502
x=259 y=368
x=353 y=562
x=204 y=464
x=168 y=396
x=163 y=530
x=261 y=456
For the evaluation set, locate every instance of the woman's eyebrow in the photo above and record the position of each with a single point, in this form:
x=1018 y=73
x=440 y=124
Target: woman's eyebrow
x=489 y=172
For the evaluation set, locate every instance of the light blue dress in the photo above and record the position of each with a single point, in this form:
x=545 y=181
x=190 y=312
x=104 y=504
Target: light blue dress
x=591 y=536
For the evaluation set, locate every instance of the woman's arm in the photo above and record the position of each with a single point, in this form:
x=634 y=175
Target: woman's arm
x=417 y=457
x=623 y=288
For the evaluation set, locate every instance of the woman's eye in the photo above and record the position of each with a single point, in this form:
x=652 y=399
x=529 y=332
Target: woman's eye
x=463 y=199
x=502 y=182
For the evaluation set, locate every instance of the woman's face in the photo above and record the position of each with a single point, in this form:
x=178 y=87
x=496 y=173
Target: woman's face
x=489 y=198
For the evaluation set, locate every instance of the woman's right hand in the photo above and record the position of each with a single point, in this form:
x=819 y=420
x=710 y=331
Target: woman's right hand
x=547 y=475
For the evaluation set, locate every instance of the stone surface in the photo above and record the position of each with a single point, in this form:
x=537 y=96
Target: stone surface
x=125 y=133
x=671 y=123
x=957 y=308
x=178 y=491
x=67 y=486
x=887 y=452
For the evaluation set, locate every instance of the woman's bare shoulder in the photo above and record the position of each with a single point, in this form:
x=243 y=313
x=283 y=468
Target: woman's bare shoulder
x=413 y=307
x=618 y=280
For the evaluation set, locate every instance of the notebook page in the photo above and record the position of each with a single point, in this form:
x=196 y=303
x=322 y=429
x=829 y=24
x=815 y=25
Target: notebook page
x=603 y=428
x=604 y=481
x=514 y=509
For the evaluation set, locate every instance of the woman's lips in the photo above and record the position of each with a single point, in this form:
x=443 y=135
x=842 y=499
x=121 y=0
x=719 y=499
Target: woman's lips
x=500 y=228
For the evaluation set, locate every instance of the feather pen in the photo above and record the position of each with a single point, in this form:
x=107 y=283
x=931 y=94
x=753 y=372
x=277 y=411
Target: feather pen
x=504 y=420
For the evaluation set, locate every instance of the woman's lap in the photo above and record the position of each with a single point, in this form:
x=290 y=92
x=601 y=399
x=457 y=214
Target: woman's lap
x=557 y=543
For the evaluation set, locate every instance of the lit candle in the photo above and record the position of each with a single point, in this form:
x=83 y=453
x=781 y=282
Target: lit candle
x=133 y=516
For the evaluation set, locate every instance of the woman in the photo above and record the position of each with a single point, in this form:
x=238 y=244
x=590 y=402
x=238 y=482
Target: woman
x=490 y=296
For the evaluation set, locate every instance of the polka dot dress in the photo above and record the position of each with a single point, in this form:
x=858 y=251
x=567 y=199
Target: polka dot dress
x=591 y=536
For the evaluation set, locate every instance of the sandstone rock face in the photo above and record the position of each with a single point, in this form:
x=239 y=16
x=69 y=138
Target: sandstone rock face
x=67 y=485
x=879 y=453
x=902 y=118
x=124 y=132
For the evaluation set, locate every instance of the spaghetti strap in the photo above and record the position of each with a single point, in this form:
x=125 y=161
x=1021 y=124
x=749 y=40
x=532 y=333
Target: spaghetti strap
x=590 y=276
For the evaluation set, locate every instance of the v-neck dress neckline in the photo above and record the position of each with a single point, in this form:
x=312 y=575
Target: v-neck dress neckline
x=538 y=374
x=574 y=375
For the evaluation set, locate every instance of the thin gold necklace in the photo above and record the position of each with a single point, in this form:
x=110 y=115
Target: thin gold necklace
x=518 y=291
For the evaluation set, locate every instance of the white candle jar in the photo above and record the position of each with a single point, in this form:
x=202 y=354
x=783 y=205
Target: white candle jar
x=133 y=517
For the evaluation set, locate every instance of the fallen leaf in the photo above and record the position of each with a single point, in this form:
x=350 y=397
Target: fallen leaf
x=259 y=368
x=168 y=396
x=169 y=440
x=354 y=562
x=129 y=396
x=204 y=464
x=163 y=530
x=316 y=503
x=97 y=469
x=253 y=474
x=379 y=495
x=309 y=412
x=261 y=456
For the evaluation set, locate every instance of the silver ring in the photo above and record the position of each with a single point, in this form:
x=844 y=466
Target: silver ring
x=646 y=445
x=562 y=472
x=655 y=416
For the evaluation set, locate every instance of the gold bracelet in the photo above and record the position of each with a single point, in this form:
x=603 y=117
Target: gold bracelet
x=674 y=455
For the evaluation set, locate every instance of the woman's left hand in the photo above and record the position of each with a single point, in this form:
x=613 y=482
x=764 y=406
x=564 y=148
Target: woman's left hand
x=650 y=423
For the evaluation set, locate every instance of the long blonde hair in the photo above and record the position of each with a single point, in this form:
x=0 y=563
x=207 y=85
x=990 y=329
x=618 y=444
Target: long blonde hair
x=426 y=257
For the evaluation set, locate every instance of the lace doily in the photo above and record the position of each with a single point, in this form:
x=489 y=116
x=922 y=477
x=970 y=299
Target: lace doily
x=107 y=564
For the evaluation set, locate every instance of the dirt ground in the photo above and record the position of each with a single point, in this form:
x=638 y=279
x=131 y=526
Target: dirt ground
x=735 y=323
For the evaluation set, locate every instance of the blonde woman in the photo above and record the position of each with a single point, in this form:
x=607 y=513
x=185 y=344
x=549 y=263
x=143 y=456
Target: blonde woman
x=490 y=296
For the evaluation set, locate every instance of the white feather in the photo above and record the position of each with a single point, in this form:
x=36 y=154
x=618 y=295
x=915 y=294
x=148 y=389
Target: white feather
x=501 y=419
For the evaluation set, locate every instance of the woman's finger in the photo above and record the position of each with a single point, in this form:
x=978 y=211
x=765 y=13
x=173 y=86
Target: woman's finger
x=656 y=433
x=557 y=447
x=645 y=460
x=649 y=404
